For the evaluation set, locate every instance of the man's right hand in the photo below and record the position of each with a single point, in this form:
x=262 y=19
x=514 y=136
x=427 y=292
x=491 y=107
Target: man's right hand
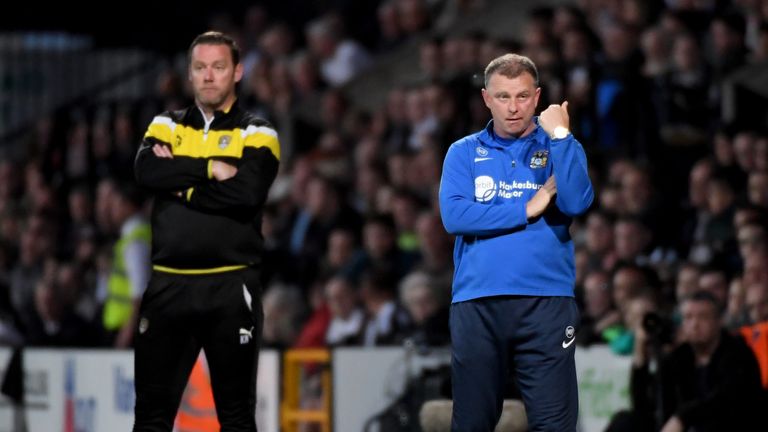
x=223 y=171
x=536 y=206
x=162 y=151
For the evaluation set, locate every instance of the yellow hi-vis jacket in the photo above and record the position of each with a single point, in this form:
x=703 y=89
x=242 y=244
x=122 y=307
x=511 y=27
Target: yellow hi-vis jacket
x=119 y=303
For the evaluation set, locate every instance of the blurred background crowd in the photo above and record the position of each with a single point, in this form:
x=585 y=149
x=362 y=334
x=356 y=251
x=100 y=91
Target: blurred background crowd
x=367 y=97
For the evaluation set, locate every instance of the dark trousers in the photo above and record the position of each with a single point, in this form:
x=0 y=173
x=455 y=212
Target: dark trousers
x=532 y=337
x=179 y=315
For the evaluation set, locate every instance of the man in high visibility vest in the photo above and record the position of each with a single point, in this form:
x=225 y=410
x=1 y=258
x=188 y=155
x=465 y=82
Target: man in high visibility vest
x=756 y=333
x=130 y=266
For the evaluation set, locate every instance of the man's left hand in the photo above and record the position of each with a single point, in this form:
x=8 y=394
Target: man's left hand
x=162 y=151
x=554 y=116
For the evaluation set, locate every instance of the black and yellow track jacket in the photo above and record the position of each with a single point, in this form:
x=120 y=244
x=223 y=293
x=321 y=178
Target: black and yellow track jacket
x=214 y=226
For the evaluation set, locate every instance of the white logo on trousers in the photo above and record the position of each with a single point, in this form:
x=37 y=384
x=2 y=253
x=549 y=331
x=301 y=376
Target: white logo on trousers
x=245 y=336
x=569 y=334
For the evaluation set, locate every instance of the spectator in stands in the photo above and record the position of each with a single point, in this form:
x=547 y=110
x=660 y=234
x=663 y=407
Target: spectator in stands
x=628 y=280
x=727 y=50
x=435 y=250
x=718 y=232
x=130 y=268
x=390 y=29
x=685 y=111
x=305 y=76
x=755 y=333
x=431 y=60
x=324 y=210
x=340 y=252
x=599 y=315
x=421 y=121
x=632 y=241
x=637 y=309
x=752 y=238
x=687 y=281
x=761 y=153
x=77 y=163
x=347 y=317
x=709 y=382
x=80 y=215
x=714 y=280
x=622 y=95
x=56 y=322
x=744 y=150
x=340 y=58
x=756 y=302
x=405 y=209
x=283 y=313
x=655 y=48
x=760 y=53
x=427 y=308
x=386 y=321
x=380 y=250
x=368 y=182
x=105 y=190
x=756 y=267
x=276 y=41
x=747 y=214
x=11 y=183
x=697 y=212
x=757 y=191
x=599 y=240
x=36 y=245
x=412 y=15
x=102 y=156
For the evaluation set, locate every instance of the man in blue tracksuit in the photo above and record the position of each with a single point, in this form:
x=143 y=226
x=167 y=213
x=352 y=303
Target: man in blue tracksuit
x=508 y=194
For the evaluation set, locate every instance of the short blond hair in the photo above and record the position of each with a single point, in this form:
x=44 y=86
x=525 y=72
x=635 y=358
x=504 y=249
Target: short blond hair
x=511 y=66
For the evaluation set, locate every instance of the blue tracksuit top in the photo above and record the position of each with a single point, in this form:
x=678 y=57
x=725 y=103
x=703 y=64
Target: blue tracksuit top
x=485 y=185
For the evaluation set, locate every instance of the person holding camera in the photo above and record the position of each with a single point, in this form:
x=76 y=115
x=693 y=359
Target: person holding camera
x=709 y=382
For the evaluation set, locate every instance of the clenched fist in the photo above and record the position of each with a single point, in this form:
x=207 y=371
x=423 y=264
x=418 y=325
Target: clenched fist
x=554 y=116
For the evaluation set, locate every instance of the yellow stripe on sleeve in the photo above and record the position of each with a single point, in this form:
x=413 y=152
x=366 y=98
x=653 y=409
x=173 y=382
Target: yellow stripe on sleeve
x=161 y=129
x=262 y=136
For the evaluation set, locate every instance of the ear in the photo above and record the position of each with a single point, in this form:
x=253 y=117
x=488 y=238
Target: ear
x=537 y=94
x=238 y=72
x=486 y=98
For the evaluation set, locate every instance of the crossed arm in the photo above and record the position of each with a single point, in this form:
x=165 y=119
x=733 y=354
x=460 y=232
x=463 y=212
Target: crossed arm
x=207 y=184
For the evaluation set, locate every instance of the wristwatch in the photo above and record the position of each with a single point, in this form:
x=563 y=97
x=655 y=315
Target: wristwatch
x=560 y=132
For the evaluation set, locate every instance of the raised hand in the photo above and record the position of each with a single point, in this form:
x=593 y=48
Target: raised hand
x=554 y=116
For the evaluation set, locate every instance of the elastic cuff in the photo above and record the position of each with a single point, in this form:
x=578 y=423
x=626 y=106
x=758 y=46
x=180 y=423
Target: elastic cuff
x=209 y=169
x=559 y=140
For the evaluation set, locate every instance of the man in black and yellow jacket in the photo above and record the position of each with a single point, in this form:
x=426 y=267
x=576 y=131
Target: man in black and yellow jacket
x=210 y=167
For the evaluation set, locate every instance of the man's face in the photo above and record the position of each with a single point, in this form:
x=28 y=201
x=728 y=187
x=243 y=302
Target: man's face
x=701 y=322
x=512 y=102
x=213 y=76
x=756 y=303
x=340 y=298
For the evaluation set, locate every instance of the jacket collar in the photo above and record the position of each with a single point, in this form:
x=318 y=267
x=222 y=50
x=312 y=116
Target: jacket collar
x=489 y=138
x=196 y=114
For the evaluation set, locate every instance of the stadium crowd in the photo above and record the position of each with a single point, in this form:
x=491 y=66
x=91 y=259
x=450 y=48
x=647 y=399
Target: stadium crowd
x=356 y=253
